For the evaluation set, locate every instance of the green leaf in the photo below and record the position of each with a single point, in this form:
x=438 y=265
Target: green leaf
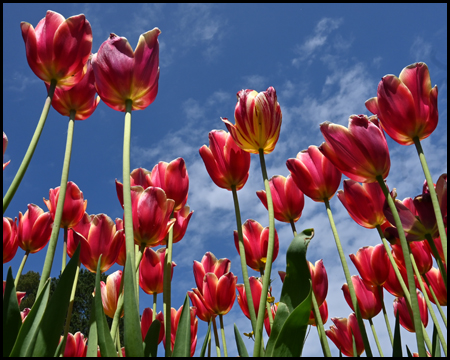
x=436 y=345
x=278 y=322
x=205 y=342
x=397 y=346
x=12 y=321
x=151 y=339
x=132 y=333
x=182 y=346
x=27 y=335
x=52 y=322
x=106 y=343
x=242 y=350
x=408 y=351
x=291 y=339
x=93 y=335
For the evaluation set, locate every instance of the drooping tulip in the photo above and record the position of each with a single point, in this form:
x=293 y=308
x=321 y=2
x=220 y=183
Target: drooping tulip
x=288 y=199
x=368 y=297
x=256 y=240
x=256 y=289
x=341 y=334
x=10 y=243
x=219 y=293
x=175 y=319
x=35 y=228
x=210 y=264
x=227 y=164
x=314 y=174
x=359 y=151
x=406 y=105
x=258 y=121
x=151 y=271
x=123 y=74
x=146 y=321
x=401 y=306
x=182 y=218
x=58 y=48
x=372 y=264
x=110 y=293
x=75 y=345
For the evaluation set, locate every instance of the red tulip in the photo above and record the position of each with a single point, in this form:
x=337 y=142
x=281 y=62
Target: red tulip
x=421 y=254
x=256 y=240
x=182 y=218
x=210 y=264
x=258 y=121
x=5 y=145
x=288 y=199
x=198 y=302
x=75 y=345
x=123 y=74
x=139 y=177
x=151 y=271
x=175 y=319
x=256 y=289
x=437 y=284
x=146 y=321
x=323 y=310
x=319 y=280
x=219 y=293
x=110 y=293
x=359 y=152
x=364 y=203
x=273 y=309
x=372 y=264
x=227 y=164
x=35 y=228
x=122 y=257
x=24 y=313
x=80 y=98
x=314 y=174
x=10 y=243
x=438 y=243
x=392 y=284
x=401 y=306
x=407 y=105
x=58 y=48
x=74 y=205
x=441 y=191
x=341 y=334
x=370 y=300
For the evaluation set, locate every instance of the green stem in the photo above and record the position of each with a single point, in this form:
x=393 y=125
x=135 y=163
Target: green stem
x=222 y=330
x=119 y=307
x=29 y=154
x=294 y=230
x=139 y=255
x=167 y=289
x=209 y=342
x=409 y=269
x=22 y=264
x=59 y=207
x=260 y=318
x=444 y=318
x=386 y=319
x=64 y=254
x=216 y=336
x=441 y=266
x=119 y=347
x=348 y=279
x=433 y=195
x=320 y=329
x=250 y=304
x=268 y=307
x=155 y=295
x=376 y=337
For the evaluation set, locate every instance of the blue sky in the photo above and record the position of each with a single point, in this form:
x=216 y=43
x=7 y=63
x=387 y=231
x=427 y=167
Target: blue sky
x=324 y=60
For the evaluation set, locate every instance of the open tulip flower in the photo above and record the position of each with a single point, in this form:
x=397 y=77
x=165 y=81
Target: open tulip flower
x=420 y=252
x=210 y=264
x=74 y=205
x=110 y=293
x=401 y=306
x=75 y=345
x=258 y=121
x=10 y=243
x=123 y=74
x=146 y=321
x=35 y=228
x=198 y=302
x=368 y=297
x=364 y=203
x=219 y=293
x=151 y=271
x=359 y=151
x=227 y=164
x=406 y=105
x=175 y=319
x=122 y=257
x=256 y=289
x=256 y=240
x=341 y=334
x=314 y=174
x=58 y=48
x=182 y=218
x=288 y=199
x=372 y=264
x=437 y=284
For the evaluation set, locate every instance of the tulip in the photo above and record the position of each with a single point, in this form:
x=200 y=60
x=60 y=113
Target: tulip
x=198 y=301
x=82 y=227
x=314 y=174
x=121 y=74
x=319 y=281
x=258 y=121
x=219 y=293
x=256 y=240
x=102 y=239
x=227 y=164
x=407 y=105
x=10 y=243
x=438 y=244
x=372 y=264
x=274 y=309
x=210 y=264
x=173 y=179
x=139 y=177
x=80 y=98
x=75 y=345
x=359 y=152
x=110 y=293
x=434 y=277
x=74 y=205
x=256 y=289
x=20 y=294
x=5 y=145
x=175 y=319
x=421 y=254
x=401 y=306
x=441 y=191
x=58 y=48
x=122 y=257
x=34 y=230
x=146 y=321
x=392 y=285
x=24 y=313
x=323 y=310
x=341 y=334
x=288 y=199
x=364 y=203
x=370 y=300
x=182 y=218
x=151 y=271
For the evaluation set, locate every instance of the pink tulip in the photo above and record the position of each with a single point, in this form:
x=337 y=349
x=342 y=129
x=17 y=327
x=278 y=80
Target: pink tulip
x=198 y=302
x=420 y=252
x=401 y=306
x=438 y=243
x=441 y=191
x=10 y=243
x=437 y=284
x=151 y=271
x=210 y=264
x=341 y=334
x=75 y=345
x=219 y=293
x=392 y=285
x=319 y=279
x=273 y=309
x=182 y=218
x=256 y=289
x=123 y=74
x=323 y=310
x=407 y=105
x=139 y=177
x=146 y=321
x=370 y=300
x=110 y=293
x=122 y=257
x=5 y=145
x=372 y=264
x=359 y=151
x=175 y=319
x=35 y=228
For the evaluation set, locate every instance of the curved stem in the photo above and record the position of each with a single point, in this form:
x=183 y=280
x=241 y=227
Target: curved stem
x=59 y=207
x=30 y=151
x=376 y=337
x=251 y=306
x=216 y=336
x=22 y=264
x=444 y=318
x=409 y=270
x=441 y=266
x=433 y=195
x=348 y=279
x=167 y=288
x=224 y=342
x=386 y=319
x=64 y=254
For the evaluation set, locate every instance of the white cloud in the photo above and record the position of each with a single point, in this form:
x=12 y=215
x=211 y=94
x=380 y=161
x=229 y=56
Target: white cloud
x=255 y=82
x=420 y=49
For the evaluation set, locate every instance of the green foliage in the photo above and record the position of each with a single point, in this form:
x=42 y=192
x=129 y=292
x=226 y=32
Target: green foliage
x=12 y=320
x=182 y=346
